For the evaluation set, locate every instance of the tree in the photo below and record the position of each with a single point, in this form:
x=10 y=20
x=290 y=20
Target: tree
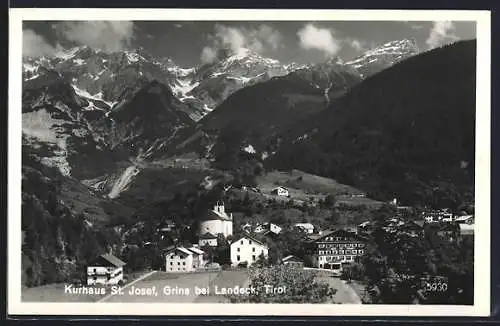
x=299 y=286
x=329 y=201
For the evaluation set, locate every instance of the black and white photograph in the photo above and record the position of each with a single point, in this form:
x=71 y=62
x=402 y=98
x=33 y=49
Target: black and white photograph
x=335 y=164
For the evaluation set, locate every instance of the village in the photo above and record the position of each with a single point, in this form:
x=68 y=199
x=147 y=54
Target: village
x=222 y=248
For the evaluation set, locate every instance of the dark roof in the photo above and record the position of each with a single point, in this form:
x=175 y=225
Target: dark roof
x=208 y=235
x=211 y=215
x=247 y=236
x=340 y=232
x=292 y=258
x=419 y=223
x=108 y=260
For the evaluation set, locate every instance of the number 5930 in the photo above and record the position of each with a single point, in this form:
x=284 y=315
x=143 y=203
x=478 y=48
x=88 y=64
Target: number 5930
x=436 y=287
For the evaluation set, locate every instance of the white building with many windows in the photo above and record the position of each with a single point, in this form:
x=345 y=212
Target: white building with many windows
x=184 y=260
x=247 y=250
x=335 y=248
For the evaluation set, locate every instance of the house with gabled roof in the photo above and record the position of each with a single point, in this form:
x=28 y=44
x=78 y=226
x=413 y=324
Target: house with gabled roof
x=179 y=260
x=247 y=250
x=293 y=261
x=466 y=230
x=305 y=227
x=207 y=239
x=280 y=191
x=166 y=226
x=106 y=270
x=198 y=257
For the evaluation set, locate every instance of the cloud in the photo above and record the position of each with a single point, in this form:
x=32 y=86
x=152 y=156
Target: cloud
x=35 y=45
x=323 y=39
x=259 y=39
x=109 y=36
x=416 y=27
x=441 y=33
x=208 y=54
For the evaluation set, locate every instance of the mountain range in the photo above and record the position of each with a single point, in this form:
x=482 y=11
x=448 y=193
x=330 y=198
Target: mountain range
x=108 y=136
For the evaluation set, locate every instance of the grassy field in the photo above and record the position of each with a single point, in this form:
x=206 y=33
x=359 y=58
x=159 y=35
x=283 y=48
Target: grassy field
x=55 y=293
x=309 y=187
x=167 y=288
x=225 y=279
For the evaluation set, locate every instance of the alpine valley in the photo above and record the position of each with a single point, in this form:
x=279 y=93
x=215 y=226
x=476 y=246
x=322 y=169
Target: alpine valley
x=115 y=142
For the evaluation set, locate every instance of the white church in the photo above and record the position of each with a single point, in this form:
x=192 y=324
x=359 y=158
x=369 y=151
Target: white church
x=217 y=221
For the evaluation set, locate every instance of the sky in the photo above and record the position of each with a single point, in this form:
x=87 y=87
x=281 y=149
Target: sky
x=190 y=43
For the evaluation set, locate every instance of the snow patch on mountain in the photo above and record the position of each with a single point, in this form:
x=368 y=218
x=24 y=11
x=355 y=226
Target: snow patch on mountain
x=182 y=87
x=88 y=96
x=29 y=67
x=249 y=149
x=68 y=54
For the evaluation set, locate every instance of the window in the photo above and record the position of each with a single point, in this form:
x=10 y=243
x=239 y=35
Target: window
x=347 y=251
x=253 y=257
x=241 y=241
x=253 y=249
x=184 y=263
x=360 y=251
x=249 y=241
x=238 y=258
x=171 y=263
x=354 y=251
x=178 y=263
x=238 y=249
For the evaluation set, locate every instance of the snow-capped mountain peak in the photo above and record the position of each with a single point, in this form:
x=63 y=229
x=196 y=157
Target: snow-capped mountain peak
x=383 y=56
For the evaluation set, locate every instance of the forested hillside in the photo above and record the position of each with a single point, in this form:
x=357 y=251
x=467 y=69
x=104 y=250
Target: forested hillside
x=407 y=132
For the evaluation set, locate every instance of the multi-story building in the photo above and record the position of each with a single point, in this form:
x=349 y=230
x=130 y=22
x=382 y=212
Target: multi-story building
x=106 y=270
x=334 y=248
x=247 y=250
x=183 y=260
